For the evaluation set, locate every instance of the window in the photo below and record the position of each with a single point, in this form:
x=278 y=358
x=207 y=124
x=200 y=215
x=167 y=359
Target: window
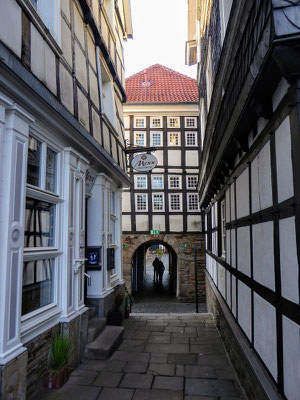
x=140 y=181
x=41 y=227
x=156 y=122
x=49 y=11
x=175 y=182
x=140 y=122
x=191 y=139
x=193 y=204
x=222 y=227
x=157 y=182
x=156 y=139
x=174 y=138
x=190 y=122
x=141 y=202
x=140 y=138
x=175 y=201
x=173 y=122
x=192 y=182
x=158 y=202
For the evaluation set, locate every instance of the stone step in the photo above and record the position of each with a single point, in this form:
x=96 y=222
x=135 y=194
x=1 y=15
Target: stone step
x=105 y=343
x=95 y=326
x=92 y=312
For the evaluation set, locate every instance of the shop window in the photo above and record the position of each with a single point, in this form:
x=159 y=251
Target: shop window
x=41 y=227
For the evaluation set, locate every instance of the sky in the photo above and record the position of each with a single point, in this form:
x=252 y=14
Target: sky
x=159 y=36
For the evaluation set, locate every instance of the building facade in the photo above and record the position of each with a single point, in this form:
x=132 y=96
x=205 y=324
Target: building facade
x=161 y=111
x=62 y=169
x=248 y=76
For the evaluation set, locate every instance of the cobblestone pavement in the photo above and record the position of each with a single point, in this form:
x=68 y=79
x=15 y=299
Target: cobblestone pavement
x=162 y=357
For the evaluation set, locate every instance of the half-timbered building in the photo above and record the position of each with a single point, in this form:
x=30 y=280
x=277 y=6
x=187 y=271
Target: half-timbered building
x=62 y=169
x=249 y=183
x=161 y=111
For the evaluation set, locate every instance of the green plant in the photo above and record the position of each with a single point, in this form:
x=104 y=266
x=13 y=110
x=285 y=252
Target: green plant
x=59 y=352
x=160 y=252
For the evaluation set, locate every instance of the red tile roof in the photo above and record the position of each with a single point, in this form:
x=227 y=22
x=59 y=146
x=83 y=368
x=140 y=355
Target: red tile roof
x=159 y=84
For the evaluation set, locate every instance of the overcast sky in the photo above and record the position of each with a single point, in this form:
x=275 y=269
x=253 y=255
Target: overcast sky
x=159 y=36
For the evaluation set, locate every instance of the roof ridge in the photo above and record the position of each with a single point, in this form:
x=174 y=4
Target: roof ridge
x=163 y=67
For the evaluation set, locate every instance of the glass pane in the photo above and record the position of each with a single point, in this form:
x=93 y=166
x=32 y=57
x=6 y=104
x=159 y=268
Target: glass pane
x=51 y=170
x=38 y=284
x=39 y=224
x=33 y=162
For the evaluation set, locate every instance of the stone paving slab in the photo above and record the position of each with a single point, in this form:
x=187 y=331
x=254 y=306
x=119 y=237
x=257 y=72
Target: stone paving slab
x=162 y=357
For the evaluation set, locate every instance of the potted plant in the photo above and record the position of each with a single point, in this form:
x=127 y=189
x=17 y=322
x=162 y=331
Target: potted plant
x=115 y=316
x=59 y=371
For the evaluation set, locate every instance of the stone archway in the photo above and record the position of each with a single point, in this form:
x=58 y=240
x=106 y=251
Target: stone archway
x=183 y=246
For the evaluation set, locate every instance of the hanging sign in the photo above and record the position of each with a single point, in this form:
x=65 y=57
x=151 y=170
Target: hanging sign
x=90 y=177
x=144 y=162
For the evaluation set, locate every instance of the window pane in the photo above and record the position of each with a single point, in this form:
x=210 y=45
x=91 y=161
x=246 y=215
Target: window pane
x=156 y=139
x=38 y=284
x=158 y=202
x=33 y=162
x=141 y=202
x=140 y=139
x=141 y=182
x=51 y=170
x=157 y=182
x=39 y=224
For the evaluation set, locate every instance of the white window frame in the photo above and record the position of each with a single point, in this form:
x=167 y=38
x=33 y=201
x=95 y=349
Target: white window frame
x=179 y=179
x=171 y=122
x=163 y=202
x=186 y=122
x=136 y=181
x=187 y=181
x=33 y=318
x=169 y=139
x=152 y=123
x=135 y=139
x=139 y=118
x=196 y=139
x=188 y=202
x=145 y=195
x=162 y=181
x=223 y=226
x=49 y=12
x=180 y=201
x=152 y=141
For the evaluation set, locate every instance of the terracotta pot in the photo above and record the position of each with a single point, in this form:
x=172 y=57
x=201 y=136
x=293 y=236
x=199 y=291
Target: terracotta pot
x=56 y=379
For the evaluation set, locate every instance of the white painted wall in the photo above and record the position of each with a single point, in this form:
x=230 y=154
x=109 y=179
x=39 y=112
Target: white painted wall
x=142 y=222
x=10 y=25
x=192 y=158
x=263 y=254
x=242 y=194
x=176 y=223
x=244 y=308
x=126 y=223
x=279 y=93
x=159 y=222
x=174 y=157
x=291 y=358
x=243 y=249
x=265 y=339
x=194 y=223
x=126 y=205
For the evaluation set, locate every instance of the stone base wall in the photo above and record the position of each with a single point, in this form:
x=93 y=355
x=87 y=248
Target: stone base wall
x=39 y=349
x=185 y=261
x=13 y=379
x=251 y=372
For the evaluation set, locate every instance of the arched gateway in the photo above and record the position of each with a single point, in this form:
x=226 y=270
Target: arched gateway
x=181 y=258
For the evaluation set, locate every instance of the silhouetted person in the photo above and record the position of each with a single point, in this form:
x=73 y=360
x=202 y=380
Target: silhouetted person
x=161 y=269
x=156 y=269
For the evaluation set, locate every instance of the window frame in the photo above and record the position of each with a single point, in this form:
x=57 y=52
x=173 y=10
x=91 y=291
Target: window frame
x=187 y=181
x=222 y=227
x=186 y=122
x=163 y=202
x=151 y=122
x=136 y=201
x=179 y=179
x=139 y=118
x=180 y=201
x=157 y=176
x=188 y=202
x=195 y=136
x=135 y=139
x=169 y=139
x=152 y=141
x=136 y=176
x=43 y=10
x=170 y=123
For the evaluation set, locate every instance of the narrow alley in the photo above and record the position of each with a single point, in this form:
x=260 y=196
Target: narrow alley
x=162 y=357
